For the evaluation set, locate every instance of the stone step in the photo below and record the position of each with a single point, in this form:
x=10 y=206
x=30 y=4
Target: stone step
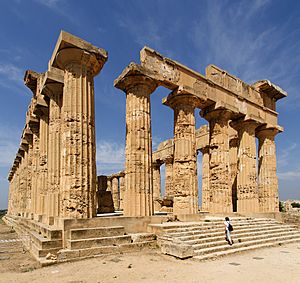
x=234 y=250
x=202 y=226
x=242 y=239
x=45 y=230
x=74 y=254
x=97 y=232
x=96 y=242
x=236 y=245
x=214 y=233
x=44 y=243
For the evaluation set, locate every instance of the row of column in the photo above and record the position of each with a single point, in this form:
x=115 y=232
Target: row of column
x=229 y=173
x=60 y=159
x=234 y=179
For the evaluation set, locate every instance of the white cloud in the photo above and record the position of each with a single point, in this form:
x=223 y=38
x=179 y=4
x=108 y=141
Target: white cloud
x=110 y=157
x=290 y=175
x=11 y=72
x=231 y=38
x=285 y=154
x=9 y=141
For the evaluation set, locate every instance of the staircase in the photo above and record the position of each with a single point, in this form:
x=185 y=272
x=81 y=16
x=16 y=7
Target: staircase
x=89 y=242
x=206 y=239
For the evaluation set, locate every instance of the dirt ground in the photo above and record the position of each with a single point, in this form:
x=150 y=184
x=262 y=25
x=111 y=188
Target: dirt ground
x=278 y=264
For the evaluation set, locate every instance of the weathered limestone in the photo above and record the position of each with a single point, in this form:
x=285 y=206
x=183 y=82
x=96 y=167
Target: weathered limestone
x=80 y=62
x=233 y=163
x=53 y=88
x=138 y=166
x=247 y=189
x=206 y=192
x=156 y=185
x=115 y=192
x=220 y=189
x=122 y=189
x=185 y=183
x=267 y=178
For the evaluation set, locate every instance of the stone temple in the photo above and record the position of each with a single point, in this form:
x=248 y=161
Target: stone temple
x=55 y=194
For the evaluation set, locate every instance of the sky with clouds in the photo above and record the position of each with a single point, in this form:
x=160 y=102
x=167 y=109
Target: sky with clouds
x=254 y=40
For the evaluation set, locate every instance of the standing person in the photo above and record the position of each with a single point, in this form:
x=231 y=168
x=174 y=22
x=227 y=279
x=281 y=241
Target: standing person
x=228 y=229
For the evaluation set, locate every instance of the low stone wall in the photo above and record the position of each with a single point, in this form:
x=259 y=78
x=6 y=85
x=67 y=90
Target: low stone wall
x=291 y=218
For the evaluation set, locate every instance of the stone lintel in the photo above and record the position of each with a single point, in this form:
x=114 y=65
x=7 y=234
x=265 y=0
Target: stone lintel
x=67 y=40
x=134 y=74
x=270 y=89
x=30 y=80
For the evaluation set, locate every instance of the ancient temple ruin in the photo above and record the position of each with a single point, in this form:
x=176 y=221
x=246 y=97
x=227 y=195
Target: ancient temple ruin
x=53 y=179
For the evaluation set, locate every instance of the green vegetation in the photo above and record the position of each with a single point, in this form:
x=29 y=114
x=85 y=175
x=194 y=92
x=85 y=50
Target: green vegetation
x=281 y=206
x=295 y=205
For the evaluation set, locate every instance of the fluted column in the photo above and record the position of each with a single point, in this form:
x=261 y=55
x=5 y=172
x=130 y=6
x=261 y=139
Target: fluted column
x=267 y=178
x=233 y=163
x=42 y=181
x=115 y=192
x=138 y=165
x=219 y=179
x=247 y=188
x=22 y=183
x=122 y=191
x=156 y=185
x=169 y=190
x=206 y=193
x=54 y=92
x=78 y=146
x=35 y=162
x=185 y=182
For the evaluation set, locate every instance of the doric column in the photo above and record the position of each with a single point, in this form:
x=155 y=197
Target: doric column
x=169 y=190
x=247 y=189
x=34 y=127
x=267 y=178
x=22 y=182
x=108 y=187
x=206 y=193
x=42 y=181
x=219 y=179
x=122 y=190
x=138 y=165
x=54 y=92
x=185 y=183
x=115 y=192
x=156 y=185
x=233 y=167
x=78 y=146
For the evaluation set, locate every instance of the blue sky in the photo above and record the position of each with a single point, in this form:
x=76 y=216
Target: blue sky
x=254 y=40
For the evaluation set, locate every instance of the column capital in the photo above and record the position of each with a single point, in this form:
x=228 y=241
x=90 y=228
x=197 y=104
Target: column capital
x=134 y=76
x=216 y=114
x=52 y=89
x=181 y=98
x=268 y=131
x=247 y=124
x=72 y=49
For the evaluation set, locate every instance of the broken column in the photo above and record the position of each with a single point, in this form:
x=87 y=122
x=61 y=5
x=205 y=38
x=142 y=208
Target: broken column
x=138 y=165
x=267 y=178
x=80 y=62
x=115 y=191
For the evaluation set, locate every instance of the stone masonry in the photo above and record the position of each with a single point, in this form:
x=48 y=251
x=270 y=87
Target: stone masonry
x=53 y=175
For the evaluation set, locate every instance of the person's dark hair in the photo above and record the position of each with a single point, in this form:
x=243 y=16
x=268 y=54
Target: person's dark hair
x=226 y=218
